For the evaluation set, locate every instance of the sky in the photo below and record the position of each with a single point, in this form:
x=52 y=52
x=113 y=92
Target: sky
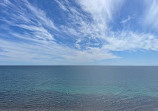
x=78 y=32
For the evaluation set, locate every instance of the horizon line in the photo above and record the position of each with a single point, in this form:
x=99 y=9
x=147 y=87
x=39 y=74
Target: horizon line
x=90 y=65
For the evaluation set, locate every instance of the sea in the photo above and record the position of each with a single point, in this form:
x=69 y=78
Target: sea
x=78 y=88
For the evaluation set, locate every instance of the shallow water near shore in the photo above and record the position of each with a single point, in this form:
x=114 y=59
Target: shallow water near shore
x=89 y=88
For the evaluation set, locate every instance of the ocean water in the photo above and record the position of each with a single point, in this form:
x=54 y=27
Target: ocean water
x=78 y=88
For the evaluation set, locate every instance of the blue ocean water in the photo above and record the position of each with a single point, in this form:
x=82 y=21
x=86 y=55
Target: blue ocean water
x=107 y=88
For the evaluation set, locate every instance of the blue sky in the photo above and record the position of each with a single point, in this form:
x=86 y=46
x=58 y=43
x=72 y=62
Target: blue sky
x=78 y=32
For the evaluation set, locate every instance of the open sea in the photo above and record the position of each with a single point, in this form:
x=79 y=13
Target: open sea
x=78 y=88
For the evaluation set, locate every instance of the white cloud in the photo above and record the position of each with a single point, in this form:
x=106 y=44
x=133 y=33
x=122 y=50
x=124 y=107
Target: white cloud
x=151 y=14
x=40 y=14
x=126 y=20
x=49 y=52
x=61 y=5
x=131 y=41
x=102 y=11
x=30 y=18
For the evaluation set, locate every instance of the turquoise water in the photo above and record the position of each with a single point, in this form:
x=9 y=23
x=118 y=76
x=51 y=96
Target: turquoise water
x=98 y=87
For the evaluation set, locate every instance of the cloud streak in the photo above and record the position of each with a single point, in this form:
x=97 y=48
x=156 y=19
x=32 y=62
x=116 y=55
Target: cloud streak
x=151 y=14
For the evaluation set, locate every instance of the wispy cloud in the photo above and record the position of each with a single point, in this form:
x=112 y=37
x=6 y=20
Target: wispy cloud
x=28 y=17
x=126 y=20
x=131 y=41
x=151 y=14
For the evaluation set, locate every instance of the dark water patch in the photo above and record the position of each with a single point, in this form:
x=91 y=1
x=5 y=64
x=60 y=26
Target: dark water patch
x=63 y=101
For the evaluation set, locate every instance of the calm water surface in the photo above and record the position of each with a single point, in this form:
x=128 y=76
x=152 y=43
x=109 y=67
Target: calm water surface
x=78 y=88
